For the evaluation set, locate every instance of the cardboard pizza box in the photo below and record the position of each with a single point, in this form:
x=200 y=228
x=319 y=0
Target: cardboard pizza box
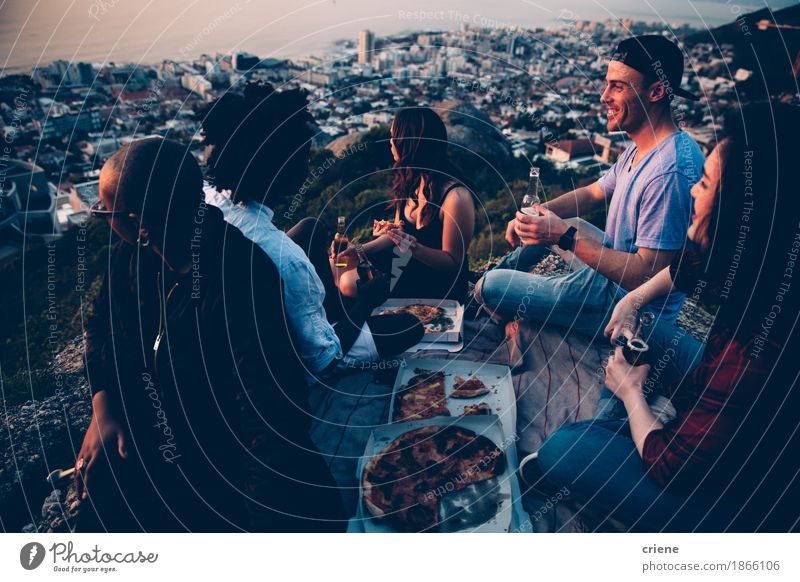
x=501 y=398
x=446 y=330
x=504 y=491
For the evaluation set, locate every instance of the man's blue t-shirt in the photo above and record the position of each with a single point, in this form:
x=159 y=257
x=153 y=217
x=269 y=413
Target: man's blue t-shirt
x=651 y=205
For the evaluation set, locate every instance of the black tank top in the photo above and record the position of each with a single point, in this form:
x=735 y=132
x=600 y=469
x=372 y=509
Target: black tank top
x=418 y=280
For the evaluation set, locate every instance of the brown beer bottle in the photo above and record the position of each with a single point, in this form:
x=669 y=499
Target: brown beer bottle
x=340 y=243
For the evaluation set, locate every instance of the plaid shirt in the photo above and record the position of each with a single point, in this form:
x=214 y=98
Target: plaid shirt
x=712 y=403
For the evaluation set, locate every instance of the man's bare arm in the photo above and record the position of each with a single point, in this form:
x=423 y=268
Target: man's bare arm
x=630 y=270
x=580 y=201
x=577 y=202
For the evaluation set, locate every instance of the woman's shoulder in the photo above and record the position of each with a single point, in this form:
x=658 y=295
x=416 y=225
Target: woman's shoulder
x=455 y=191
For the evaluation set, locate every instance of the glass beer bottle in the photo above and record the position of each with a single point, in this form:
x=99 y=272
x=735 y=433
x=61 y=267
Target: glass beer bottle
x=532 y=198
x=340 y=243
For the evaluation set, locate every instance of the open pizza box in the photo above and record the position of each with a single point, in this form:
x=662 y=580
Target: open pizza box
x=443 y=331
x=501 y=492
x=500 y=401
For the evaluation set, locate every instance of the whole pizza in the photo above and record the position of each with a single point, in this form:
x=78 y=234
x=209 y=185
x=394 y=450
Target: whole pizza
x=403 y=484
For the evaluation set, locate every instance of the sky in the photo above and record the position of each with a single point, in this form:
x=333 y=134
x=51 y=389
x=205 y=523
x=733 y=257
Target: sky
x=36 y=32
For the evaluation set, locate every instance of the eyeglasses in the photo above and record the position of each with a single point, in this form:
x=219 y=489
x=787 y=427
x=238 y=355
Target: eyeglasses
x=98 y=210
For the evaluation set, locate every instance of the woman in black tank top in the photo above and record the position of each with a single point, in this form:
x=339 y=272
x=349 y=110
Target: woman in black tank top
x=427 y=257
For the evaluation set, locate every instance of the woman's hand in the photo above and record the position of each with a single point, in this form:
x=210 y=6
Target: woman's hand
x=511 y=233
x=348 y=256
x=624 y=380
x=624 y=320
x=105 y=436
x=386 y=228
x=405 y=242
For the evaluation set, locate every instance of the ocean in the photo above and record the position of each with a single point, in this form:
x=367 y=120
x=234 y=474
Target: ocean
x=99 y=31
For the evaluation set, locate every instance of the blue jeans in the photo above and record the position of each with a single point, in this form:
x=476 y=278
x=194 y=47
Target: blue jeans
x=597 y=462
x=674 y=354
x=581 y=300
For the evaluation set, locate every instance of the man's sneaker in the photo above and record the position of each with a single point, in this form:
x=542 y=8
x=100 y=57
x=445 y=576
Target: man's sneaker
x=533 y=479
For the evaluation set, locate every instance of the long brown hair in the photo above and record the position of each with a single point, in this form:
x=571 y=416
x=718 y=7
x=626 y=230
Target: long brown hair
x=420 y=138
x=754 y=222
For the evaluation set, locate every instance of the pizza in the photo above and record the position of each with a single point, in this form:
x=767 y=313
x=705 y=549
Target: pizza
x=380 y=226
x=432 y=317
x=402 y=485
x=471 y=388
x=425 y=313
x=479 y=409
x=422 y=397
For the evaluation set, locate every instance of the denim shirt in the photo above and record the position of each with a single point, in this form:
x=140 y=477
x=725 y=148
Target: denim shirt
x=303 y=289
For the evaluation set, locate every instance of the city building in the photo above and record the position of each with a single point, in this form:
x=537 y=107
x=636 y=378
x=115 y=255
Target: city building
x=366 y=46
x=27 y=203
x=566 y=150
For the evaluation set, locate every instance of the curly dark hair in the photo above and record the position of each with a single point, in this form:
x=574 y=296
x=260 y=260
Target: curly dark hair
x=260 y=142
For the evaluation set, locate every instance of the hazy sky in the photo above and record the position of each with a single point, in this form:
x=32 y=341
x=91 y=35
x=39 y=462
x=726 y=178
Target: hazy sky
x=39 y=31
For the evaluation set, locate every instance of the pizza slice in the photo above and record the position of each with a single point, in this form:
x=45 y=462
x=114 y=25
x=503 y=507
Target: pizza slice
x=380 y=227
x=479 y=409
x=425 y=313
x=422 y=397
x=471 y=388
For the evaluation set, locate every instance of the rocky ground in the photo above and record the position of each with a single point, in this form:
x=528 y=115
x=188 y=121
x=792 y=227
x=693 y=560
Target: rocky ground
x=38 y=437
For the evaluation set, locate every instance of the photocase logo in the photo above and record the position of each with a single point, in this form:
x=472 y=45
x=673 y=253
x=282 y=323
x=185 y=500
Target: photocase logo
x=31 y=555
x=401 y=255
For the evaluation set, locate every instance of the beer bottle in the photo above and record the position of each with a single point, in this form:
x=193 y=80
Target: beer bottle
x=532 y=197
x=364 y=269
x=340 y=243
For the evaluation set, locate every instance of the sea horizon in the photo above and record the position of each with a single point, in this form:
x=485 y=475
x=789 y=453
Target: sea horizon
x=103 y=31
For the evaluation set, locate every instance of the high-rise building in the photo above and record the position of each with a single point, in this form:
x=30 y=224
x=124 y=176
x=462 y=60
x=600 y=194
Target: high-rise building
x=366 y=44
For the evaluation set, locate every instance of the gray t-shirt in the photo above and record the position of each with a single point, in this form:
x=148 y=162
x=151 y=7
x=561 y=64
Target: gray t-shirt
x=651 y=206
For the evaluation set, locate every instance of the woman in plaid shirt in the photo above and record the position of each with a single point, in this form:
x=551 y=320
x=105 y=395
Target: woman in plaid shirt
x=727 y=460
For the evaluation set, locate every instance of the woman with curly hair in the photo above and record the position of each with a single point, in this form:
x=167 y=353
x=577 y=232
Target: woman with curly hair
x=258 y=145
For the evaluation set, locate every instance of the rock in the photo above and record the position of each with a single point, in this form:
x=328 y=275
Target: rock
x=341 y=144
x=471 y=128
x=34 y=431
x=52 y=504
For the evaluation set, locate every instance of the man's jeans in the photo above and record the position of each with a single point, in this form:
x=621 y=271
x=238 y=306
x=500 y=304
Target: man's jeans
x=597 y=461
x=583 y=301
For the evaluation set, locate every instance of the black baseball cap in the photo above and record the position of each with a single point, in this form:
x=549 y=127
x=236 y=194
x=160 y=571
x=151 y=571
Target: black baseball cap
x=656 y=57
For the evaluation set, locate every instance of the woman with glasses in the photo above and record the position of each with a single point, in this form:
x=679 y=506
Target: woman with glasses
x=200 y=419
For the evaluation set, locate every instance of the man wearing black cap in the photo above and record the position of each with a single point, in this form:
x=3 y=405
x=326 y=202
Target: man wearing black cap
x=649 y=207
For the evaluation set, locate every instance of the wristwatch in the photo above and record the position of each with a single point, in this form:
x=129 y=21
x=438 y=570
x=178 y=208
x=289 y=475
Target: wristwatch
x=567 y=240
